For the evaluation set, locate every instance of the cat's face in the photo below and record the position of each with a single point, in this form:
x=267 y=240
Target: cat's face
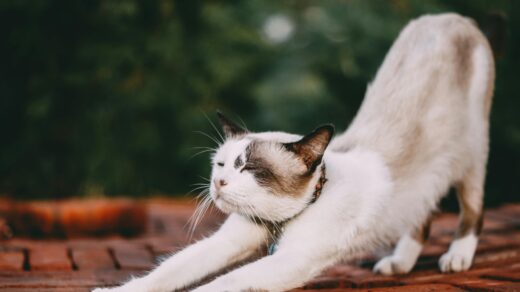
x=268 y=175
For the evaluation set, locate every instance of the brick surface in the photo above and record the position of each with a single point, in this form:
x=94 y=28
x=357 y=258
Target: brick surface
x=506 y=275
x=93 y=259
x=52 y=289
x=162 y=246
x=327 y=283
x=346 y=270
x=419 y=288
x=374 y=282
x=133 y=257
x=83 y=263
x=61 y=279
x=49 y=258
x=11 y=260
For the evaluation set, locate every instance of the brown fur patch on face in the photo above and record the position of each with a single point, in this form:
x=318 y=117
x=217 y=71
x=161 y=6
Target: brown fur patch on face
x=275 y=168
x=238 y=162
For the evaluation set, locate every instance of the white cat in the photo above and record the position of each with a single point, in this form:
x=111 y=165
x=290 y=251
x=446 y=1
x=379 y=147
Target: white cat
x=422 y=128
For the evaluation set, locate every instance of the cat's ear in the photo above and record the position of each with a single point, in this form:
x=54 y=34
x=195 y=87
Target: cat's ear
x=311 y=147
x=230 y=128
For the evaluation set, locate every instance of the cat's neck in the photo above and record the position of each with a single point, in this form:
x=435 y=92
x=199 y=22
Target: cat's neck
x=319 y=183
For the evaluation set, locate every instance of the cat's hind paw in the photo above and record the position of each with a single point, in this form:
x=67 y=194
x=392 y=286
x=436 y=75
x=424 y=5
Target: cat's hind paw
x=451 y=262
x=460 y=255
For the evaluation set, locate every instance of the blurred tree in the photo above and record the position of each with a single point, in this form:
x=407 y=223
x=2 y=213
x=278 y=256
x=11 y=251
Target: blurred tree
x=107 y=96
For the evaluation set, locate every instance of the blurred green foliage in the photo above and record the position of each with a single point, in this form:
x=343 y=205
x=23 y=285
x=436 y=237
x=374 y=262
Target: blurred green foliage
x=107 y=96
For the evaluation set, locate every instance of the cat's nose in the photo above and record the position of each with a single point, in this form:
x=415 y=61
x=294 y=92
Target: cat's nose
x=219 y=183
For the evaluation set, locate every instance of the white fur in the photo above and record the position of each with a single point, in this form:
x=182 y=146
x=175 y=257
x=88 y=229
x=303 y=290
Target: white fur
x=417 y=133
x=460 y=255
x=402 y=260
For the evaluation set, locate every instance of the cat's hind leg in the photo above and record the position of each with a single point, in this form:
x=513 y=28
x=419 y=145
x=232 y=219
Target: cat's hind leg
x=406 y=252
x=470 y=195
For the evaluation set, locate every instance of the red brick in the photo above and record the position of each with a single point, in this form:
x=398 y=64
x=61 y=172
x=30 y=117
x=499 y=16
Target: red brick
x=498 y=259
x=343 y=270
x=506 y=275
x=52 y=289
x=93 y=259
x=510 y=211
x=49 y=258
x=433 y=250
x=444 y=224
x=61 y=279
x=162 y=246
x=373 y=282
x=442 y=239
x=504 y=287
x=11 y=260
x=492 y=223
x=327 y=283
x=494 y=239
x=422 y=279
x=133 y=257
x=471 y=282
x=419 y=288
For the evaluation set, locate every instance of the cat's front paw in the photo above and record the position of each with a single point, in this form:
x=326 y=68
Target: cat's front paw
x=392 y=265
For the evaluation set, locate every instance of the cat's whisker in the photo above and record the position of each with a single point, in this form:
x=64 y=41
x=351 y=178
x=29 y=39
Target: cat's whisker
x=210 y=137
x=204 y=147
x=206 y=206
x=208 y=149
x=200 y=184
x=243 y=124
x=198 y=188
x=201 y=152
x=198 y=214
x=214 y=127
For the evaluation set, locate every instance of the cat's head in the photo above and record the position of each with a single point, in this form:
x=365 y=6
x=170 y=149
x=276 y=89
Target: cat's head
x=269 y=175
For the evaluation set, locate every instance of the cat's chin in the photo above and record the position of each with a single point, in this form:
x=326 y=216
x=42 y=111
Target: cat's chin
x=225 y=206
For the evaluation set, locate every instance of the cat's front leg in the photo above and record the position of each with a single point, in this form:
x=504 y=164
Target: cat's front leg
x=237 y=239
x=279 y=272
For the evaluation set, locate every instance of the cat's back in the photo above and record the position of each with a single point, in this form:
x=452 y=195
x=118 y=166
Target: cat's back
x=433 y=53
x=436 y=78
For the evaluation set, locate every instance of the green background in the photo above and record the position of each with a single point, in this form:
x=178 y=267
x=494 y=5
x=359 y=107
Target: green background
x=106 y=97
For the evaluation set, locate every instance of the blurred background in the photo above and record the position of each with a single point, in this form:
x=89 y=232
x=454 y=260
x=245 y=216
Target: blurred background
x=106 y=98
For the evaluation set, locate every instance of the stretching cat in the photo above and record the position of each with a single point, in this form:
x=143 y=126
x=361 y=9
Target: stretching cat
x=422 y=128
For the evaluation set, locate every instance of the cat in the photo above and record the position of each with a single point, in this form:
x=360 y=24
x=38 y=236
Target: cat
x=316 y=200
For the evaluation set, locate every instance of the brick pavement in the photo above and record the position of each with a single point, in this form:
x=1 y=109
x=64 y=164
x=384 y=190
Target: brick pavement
x=80 y=264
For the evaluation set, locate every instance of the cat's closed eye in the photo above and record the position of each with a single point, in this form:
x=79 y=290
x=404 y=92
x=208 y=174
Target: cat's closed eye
x=220 y=164
x=249 y=167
